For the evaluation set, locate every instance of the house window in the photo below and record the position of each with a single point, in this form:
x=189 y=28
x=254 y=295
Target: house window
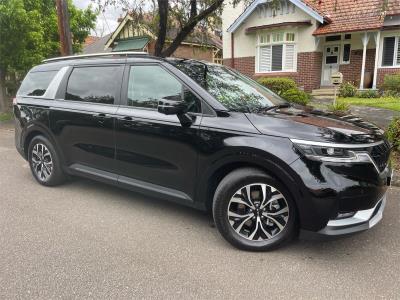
x=391 y=51
x=333 y=38
x=346 y=53
x=276 y=52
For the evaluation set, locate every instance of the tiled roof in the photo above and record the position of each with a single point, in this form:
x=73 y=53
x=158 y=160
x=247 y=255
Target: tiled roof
x=97 y=46
x=89 y=40
x=393 y=7
x=350 y=15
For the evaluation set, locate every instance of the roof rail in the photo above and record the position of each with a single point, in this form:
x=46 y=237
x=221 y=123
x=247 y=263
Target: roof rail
x=121 y=53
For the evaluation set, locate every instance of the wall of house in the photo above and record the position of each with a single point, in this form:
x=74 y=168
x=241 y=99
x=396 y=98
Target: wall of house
x=309 y=59
x=188 y=51
x=308 y=75
x=245 y=44
x=383 y=71
x=352 y=71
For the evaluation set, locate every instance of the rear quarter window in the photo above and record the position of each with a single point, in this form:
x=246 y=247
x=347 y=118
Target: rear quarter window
x=36 y=83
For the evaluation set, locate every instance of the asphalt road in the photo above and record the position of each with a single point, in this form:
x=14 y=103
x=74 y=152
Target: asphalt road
x=89 y=240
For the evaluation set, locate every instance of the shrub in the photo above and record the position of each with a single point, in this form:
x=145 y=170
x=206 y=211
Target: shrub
x=392 y=83
x=391 y=94
x=278 y=85
x=368 y=94
x=347 y=89
x=296 y=96
x=339 y=107
x=393 y=133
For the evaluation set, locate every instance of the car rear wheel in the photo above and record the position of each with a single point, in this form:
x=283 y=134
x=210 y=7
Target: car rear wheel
x=44 y=162
x=253 y=211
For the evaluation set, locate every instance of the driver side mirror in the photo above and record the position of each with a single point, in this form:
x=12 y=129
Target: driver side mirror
x=168 y=107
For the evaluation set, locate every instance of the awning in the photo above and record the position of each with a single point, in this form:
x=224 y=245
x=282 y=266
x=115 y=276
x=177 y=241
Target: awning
x=137 y=43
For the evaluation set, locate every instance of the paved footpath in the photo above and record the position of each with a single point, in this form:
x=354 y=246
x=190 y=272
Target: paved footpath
x=92 y=241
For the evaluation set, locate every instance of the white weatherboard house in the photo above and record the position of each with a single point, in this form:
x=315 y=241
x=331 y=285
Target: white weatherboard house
x=308 y=40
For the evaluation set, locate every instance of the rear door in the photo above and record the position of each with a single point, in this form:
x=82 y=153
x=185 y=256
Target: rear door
x=83 y=119
x=155 y=153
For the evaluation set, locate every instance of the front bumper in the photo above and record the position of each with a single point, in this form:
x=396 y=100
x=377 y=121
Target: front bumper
x=360 y=221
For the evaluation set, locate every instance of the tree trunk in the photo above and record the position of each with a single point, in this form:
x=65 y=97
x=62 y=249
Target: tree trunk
x=162 y=26
x=3 y=97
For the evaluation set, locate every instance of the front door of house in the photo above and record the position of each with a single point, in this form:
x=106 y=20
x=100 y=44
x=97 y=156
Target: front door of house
x=331 y=63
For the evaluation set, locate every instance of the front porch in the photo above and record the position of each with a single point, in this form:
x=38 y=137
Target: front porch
x=354 y=54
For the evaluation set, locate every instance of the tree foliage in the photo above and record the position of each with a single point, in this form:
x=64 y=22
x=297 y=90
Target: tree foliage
x=29 y=33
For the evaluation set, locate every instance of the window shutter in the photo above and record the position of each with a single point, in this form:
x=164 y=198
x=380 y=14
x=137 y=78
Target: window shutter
x=289 y=57
x=265 y=59
x=388 y=51
x=277 y=51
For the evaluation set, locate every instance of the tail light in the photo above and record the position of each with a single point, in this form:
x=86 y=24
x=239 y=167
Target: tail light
x=15 y=101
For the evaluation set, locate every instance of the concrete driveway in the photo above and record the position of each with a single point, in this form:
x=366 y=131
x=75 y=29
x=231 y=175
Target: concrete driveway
x=89 y=240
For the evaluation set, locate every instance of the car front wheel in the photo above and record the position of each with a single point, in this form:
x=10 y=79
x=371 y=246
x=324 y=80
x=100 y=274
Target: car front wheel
x=253 y=211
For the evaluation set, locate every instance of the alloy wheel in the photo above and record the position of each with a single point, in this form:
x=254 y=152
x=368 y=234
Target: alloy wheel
x=42 y=163
x=258 y=212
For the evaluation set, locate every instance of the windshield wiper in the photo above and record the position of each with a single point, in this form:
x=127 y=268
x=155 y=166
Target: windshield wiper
x=273 y=107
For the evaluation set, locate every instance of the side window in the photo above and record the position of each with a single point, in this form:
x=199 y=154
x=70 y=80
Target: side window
x=36 y=83
x=149 y=84
x=93 y=84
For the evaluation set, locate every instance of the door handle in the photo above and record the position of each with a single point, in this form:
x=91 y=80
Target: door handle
x=127 y=118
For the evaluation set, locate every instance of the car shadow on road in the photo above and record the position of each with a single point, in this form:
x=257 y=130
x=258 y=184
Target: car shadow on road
x=338 y=249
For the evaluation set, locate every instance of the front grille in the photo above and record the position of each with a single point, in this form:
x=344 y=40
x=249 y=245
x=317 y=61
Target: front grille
x=380 y=155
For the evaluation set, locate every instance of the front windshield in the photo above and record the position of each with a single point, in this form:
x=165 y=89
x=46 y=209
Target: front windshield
x=235 y=91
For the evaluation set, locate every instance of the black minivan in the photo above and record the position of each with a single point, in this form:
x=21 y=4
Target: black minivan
x=205 y=136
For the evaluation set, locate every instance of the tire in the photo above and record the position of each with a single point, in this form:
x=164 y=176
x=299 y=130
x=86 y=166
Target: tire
x=48 y=171
x=250 y=225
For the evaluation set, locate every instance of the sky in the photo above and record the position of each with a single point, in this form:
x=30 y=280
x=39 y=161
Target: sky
x=106 y=22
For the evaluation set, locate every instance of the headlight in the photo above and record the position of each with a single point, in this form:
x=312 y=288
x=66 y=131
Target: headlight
x=330 y=152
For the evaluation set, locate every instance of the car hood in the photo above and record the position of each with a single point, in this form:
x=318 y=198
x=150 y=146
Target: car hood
x=315 y=125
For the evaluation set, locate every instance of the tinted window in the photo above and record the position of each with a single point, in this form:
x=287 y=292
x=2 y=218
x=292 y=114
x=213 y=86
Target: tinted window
x=235 y=91
x=36 y=83
x=93 y=84
x=149 y=84
x=388 y=51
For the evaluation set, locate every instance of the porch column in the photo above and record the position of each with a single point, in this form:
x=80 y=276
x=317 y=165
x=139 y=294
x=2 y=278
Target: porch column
x=377 y=36
x=365 y=40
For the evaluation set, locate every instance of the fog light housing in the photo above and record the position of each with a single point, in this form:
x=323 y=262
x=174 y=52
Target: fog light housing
x=345 y=215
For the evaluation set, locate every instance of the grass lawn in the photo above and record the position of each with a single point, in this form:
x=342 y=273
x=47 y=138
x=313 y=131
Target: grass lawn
x=5 y=116
x=388 y=103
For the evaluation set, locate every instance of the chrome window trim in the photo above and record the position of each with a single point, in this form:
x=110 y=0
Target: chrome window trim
x=335 y=145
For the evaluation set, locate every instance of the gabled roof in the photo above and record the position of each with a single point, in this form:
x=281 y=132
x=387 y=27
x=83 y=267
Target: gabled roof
x=197 y=37
x=337 y=16
x=308 y=9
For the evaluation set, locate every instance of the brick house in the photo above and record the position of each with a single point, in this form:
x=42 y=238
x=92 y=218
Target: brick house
x=308 y=40
x=133 y=36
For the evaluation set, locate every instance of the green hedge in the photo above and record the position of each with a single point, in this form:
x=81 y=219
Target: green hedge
x=392 y=83
x=278 y=85
x=368 y=94
x=296 y=96
x=393 y=133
